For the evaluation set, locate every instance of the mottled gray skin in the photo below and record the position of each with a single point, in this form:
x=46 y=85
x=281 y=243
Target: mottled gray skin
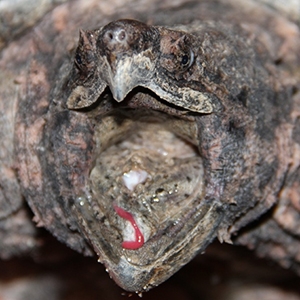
x=221 y=86
x=238 y=139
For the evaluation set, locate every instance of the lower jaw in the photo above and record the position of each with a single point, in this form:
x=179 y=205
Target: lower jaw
x=165 y=203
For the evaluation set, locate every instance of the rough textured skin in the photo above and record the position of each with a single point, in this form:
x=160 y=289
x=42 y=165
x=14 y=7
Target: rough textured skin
x=230 y=89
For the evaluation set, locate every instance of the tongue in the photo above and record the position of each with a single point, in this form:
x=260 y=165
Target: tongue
x=139 y=238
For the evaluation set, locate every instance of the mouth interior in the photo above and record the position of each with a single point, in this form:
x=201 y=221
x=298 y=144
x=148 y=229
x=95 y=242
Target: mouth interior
x=147 y=165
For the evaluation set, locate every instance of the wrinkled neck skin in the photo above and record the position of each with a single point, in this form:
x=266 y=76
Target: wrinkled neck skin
x=165 y=139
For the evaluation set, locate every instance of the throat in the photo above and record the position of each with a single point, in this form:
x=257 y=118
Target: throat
x=145 y=170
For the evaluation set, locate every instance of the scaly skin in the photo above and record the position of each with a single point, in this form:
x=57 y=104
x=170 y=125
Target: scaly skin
x=244 y=183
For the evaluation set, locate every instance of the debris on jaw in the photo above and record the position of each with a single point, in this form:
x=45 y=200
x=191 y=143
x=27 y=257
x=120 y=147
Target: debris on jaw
x=133 y=178
x=139 y=238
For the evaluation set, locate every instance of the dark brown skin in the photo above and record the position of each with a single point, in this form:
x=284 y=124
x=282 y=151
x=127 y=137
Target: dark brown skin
x=221 y=87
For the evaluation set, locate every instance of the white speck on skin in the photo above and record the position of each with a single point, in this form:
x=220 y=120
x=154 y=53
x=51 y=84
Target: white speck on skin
x=133 y=178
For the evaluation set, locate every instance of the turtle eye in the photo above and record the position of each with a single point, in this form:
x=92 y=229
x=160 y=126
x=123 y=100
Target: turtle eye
x=78 y=60
x=177 y=54
x=187 y=59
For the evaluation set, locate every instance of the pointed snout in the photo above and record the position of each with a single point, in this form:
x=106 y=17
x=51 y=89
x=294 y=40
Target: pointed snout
x=129 y=60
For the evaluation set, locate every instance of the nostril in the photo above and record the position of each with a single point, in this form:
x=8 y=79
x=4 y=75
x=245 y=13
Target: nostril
x=116 y=36
x=109 y=35
x=121 y=35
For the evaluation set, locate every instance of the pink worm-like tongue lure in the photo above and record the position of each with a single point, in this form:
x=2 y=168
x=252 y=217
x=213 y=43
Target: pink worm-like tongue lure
x=139 y=238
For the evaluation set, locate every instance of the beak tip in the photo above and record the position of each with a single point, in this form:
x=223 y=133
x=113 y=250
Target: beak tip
x=118 y=97
x=119 y=94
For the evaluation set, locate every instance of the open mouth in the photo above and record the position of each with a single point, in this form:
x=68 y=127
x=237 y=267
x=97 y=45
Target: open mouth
x=146 y=168
x=146 y=206
x=144 y=211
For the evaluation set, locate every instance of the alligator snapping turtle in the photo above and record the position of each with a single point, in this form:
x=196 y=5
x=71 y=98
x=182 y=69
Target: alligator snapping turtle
x=144 y=143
